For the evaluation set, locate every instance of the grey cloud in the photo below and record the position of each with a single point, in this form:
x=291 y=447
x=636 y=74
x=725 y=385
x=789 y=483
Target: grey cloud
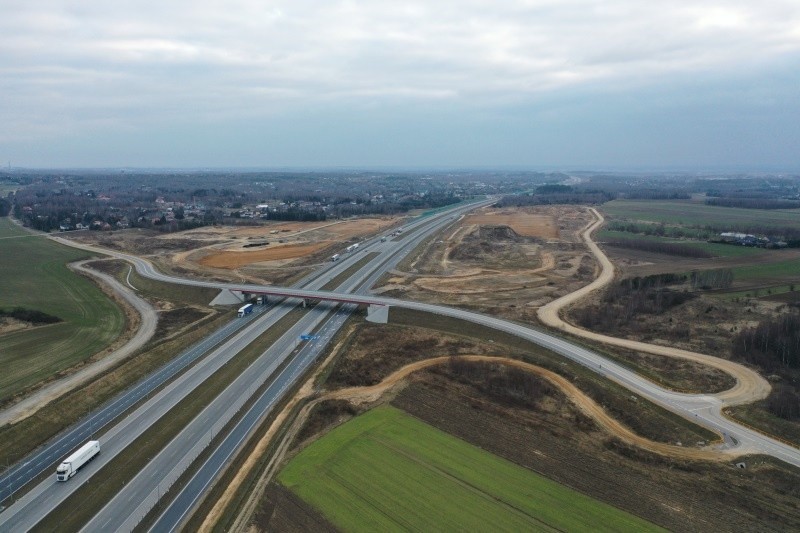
x=66 y=66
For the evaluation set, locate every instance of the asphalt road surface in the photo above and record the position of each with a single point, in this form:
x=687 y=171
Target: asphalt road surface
x=703 y=409
x=26 y=512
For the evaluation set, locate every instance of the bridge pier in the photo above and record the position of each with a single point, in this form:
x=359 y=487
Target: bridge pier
x=378 y=314
x=227 y=297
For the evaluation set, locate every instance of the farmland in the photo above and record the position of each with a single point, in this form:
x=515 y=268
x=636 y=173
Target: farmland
x=651 y=240
x=689 y=213
x=715 y=249
x=35 y=276
x=752 y=268
x=385 y=470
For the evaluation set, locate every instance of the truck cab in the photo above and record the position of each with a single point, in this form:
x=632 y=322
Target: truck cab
x=63 y=471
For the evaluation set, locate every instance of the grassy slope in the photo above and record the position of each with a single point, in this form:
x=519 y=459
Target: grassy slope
x=34 y=275
x=387 y=471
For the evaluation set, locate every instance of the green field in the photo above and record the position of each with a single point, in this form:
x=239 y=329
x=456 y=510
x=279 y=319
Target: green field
x=779 y=269
x=33 y=274
x=688 y=213
x=716 y=249
x=387 y=471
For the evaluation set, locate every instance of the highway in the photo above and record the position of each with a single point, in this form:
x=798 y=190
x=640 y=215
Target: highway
x=706 y=410
x=43 y=459
x=26 y=512
x=133 y=501
x=703 y=409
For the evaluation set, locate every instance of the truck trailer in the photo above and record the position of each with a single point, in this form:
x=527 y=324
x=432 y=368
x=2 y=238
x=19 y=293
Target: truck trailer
x=245 y=310
x=71 y=464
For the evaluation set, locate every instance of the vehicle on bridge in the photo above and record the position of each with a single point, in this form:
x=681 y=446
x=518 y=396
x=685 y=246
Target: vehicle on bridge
x=245 y=310
x=74 y=462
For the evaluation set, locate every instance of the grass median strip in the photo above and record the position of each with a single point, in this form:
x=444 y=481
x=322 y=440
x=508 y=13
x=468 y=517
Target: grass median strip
x=334 y=283
x=84 y=503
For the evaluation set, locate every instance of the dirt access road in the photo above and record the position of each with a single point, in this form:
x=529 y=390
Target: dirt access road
x=750 y=386
x=374 y=393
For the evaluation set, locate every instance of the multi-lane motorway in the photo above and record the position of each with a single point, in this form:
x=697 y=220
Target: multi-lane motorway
x=44 y=497
x=127 y=508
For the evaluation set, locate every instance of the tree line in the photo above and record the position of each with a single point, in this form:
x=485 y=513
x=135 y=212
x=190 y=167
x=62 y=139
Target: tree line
x=753 y=203
x=624 y=301
x=774 y=345
x=669 y=248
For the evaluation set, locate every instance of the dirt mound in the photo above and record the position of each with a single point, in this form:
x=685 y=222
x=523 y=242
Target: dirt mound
x=525 y=224
x=498 y=233
x=487 y=241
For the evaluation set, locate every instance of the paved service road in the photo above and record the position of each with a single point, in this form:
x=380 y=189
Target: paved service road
x=26 y=512
x=133 y=501
x=703 y=409
x=30 y=404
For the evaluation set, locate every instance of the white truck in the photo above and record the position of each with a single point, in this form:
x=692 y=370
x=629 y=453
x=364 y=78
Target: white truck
x=71 y=464
x=335 y=257
x=245 y=310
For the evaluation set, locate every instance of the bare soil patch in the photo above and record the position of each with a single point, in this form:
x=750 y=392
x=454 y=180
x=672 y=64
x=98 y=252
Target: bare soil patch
x=228 y=253
x=8 y=324
x=281 y=510
x=522 y=222
x=506 y=262
x=231 y=260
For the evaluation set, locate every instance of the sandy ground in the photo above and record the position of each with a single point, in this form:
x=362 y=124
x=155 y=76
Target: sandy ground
x=235 y=259
x=222 y=252
x=481 y=264
x=525 y=224
x=8 y=324
x=750 y=386
x=497 y=281
x=147 y=327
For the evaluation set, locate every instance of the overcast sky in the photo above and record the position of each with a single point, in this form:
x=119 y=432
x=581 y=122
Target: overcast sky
x=448 y=83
